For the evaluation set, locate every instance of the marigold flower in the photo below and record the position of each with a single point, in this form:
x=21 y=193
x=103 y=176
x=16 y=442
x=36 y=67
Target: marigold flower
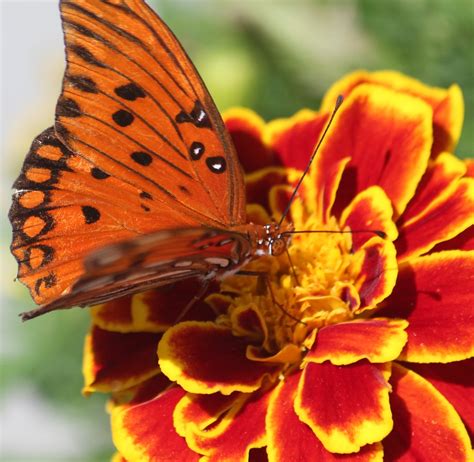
x=362 y=347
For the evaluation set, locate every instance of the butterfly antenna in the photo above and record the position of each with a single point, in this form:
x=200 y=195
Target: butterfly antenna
x=339 y=101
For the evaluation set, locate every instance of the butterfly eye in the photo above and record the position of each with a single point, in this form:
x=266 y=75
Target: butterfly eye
x=278 y=246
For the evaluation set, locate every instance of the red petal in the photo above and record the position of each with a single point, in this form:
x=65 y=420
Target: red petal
x=201 y=411
x=378 y=340
x=146 y=433
x=434 y=293
x=463 y=241
x=426 y=425
x=370 y=209
x=378 y=272
x=246 y=129
x=440 y=175
x=457 y=386
x=387 y=135
x=294 y=139
x=206 y=358
x=448 y=106
x=347 y=407
x=444 y=219
x=114 y=361
x=232 y=438
x=292 y=440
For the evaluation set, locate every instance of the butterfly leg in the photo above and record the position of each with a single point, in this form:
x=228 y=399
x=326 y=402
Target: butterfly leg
x=263 y=286
x=196 y=298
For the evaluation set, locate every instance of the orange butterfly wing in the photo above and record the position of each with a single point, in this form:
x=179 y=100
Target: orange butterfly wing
x=138 y=147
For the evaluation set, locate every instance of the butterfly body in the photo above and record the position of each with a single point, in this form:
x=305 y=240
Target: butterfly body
x=138 y=184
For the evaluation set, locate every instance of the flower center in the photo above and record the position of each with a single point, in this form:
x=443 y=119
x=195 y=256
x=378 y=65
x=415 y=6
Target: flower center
x=296 y=295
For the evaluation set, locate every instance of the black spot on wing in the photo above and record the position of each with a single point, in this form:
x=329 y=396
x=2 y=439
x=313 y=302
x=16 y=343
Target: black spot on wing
x=91 y=214
x=216 y=164
x=141 y=158
x=67 y=107
x=123 y=118
x=145 y=195
x=85 y=55
x=196 y=150
x=45 y=282
x=98 y=174
x=198 y=116
x=83 y=83
x=130 y=91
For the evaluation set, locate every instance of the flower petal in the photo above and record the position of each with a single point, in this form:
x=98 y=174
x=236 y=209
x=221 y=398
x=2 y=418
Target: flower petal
x=145 y=432
x=444 y=219
x=152 y=311
x=294 y=139
x=448 y=105
x=291 y=439
x=206 y=358
x=201 y=411
x=426 y=426
x=434 y=293
x=246 y=129
x=463 y=241
x=379 y=340
x=377 y=273
x=230 y=440
x=259 y=184
x=387 y=135
x=452 y=381
x=114 y=361
x=347 y=407
x=440 y=175
x=370 y=209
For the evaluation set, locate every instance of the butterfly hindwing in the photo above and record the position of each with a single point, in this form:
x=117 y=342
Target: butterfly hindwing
x=153 y=260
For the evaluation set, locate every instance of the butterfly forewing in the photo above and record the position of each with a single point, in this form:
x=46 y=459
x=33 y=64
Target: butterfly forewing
x=154 y=260
x=134 y=105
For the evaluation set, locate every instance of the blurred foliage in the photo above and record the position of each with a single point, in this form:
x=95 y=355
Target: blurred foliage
x=275 y=57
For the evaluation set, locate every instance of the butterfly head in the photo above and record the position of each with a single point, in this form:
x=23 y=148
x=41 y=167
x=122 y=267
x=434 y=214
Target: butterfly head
x=272 y=239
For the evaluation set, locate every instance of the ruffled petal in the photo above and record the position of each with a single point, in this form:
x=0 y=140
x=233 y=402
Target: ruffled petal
x=443 y=219
x=232 y=438
x=377 y=273
x=387 y=135
x=206 y=358
x=114 y=361
x=201 y=411
x=246 y=129
x=152 y=311
x=145 y=432
x=291 y=439
x=347 y=407
x=447 y=104
x=457 y=386
x=379 y=340
x=293 y=139
x=440 y=175
x=426 y=426
x=434 y=294
x=369 y=210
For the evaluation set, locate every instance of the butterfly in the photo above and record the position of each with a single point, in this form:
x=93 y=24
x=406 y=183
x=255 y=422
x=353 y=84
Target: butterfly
x=137 y=185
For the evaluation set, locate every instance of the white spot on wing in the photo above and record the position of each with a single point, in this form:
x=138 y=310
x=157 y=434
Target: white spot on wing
x=222 y=262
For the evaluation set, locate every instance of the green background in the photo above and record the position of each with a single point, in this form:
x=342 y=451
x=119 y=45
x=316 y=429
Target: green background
x=275 y=57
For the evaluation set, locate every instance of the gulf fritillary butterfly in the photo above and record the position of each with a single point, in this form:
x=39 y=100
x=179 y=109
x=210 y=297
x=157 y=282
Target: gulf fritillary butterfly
x=137 y=185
